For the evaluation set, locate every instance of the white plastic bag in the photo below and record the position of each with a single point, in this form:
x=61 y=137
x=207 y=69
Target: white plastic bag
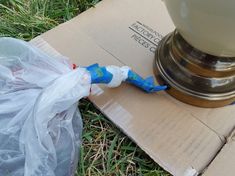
x=40 y=124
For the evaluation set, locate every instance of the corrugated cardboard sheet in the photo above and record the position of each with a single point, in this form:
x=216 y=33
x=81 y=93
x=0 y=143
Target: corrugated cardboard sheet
x=183 y=139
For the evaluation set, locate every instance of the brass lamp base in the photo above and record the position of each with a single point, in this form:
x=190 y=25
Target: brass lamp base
x=194 y=77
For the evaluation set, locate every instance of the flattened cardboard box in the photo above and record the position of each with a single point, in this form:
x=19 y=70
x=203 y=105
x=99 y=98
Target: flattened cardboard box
x=183 y=139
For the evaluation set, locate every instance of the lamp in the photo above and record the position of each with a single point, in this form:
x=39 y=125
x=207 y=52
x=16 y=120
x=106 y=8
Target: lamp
x=197 y=60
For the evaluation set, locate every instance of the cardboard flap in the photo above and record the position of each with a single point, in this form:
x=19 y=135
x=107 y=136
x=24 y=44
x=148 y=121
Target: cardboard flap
x=130 y=31
x=126 y=30
x=181 y=138
x=224 y=162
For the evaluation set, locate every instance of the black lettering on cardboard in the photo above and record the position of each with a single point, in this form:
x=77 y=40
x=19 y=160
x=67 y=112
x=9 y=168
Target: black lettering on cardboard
x=140 y=40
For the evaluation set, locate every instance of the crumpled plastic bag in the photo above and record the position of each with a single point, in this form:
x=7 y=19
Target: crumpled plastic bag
x=40 y=124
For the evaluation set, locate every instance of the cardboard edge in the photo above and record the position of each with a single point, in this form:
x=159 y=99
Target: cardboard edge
x=223 y=162
x=46 y=47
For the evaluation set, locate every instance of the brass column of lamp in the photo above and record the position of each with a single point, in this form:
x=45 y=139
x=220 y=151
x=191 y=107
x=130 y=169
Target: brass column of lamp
x=197 y=60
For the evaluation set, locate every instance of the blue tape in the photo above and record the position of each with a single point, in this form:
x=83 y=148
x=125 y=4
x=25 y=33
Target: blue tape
x=145 y=84
x=99 y=74
x=233 y=103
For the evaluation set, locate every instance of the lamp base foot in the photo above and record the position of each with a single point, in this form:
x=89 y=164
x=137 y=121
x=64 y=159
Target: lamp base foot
x=193 y=76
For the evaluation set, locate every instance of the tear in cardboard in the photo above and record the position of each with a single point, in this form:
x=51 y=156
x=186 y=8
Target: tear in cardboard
x=183 y=139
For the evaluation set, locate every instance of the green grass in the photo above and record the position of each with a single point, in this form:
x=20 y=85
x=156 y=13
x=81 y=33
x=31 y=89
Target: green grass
x=105 y=150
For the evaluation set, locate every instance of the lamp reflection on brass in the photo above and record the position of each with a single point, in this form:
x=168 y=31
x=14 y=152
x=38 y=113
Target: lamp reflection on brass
x=197 y=60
